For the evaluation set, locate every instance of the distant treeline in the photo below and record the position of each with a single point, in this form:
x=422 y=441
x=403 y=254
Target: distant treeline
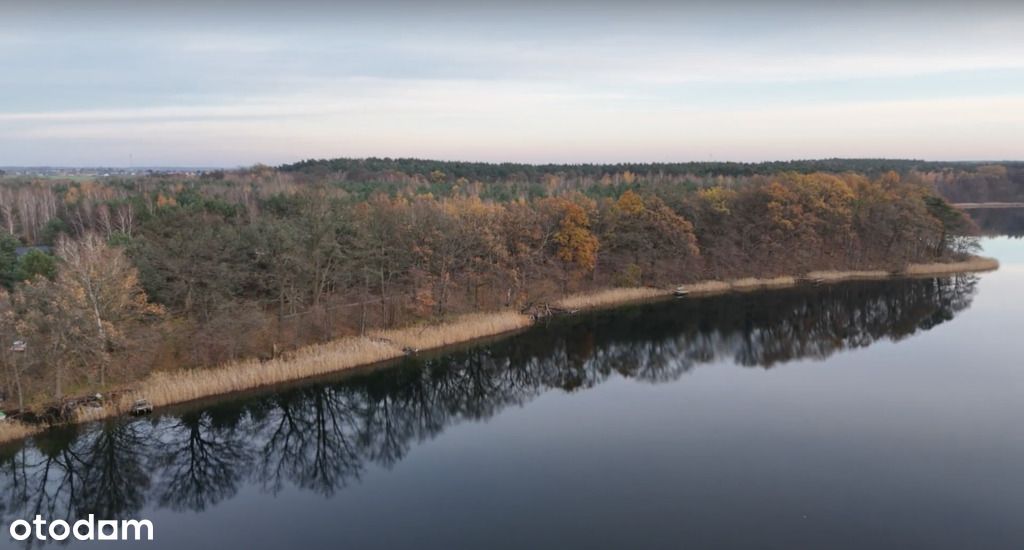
x=496 y=172
x=171 y=271
x=956 y=181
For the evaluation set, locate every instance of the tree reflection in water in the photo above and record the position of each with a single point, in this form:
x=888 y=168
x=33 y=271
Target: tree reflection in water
x=999 y=222
x=321 y=437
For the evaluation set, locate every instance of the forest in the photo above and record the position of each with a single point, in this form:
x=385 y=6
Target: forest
x=108 y=280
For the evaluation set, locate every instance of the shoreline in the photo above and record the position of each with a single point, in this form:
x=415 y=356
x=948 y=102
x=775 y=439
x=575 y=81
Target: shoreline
x=983 y=205
x=163 y=389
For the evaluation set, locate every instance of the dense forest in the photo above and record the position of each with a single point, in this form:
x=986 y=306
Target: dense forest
x=956 y=181
x=107 y=280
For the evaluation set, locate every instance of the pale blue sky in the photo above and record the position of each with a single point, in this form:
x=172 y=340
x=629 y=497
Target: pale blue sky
x=227 y=84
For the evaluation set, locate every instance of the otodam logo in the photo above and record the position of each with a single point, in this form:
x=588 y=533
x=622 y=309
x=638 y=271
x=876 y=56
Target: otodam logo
x=84 y=529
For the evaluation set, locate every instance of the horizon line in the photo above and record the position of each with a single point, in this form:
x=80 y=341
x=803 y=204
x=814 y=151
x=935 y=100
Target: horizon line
x=535 y=164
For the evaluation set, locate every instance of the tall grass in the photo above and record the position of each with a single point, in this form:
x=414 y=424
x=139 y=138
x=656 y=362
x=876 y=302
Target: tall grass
x=166 y=388
x=11 y=430
x=610 y=297
x=832 y=276
x=461 y=329
x=742 y=285
x=751 y=283
x=975 y=263
x=707 y=287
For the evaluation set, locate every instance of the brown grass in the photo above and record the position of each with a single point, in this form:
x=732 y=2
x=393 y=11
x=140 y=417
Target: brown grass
x=458 y=330
x=11 y=430
x=708 y=287
x=166 y=388
x=610 y=297
x=975 y=263
x=751 y=283
x=704 y=288
x=971 y=205
x=837 y=276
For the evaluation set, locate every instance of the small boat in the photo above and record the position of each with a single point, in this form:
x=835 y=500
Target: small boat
x=679 y=292
x=142 y=407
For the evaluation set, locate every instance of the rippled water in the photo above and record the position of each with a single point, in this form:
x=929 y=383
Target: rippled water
x=862 y=415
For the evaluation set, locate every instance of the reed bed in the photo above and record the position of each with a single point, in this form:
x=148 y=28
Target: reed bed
x=461 y=329
x=166 y=388
x=344 y=353
x=610 y=297
x=741 y=285
x=975 y=263
x=987 y=205
x=751 y=283
x=11 y=430
x=708 y=287
x=832 y=276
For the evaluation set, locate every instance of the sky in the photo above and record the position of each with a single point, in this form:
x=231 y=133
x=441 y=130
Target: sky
x=226 y=83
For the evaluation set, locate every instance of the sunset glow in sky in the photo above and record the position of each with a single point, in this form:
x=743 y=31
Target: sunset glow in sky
x=235 y=84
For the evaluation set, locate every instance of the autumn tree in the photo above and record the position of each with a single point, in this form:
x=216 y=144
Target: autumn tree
x=643 y=236
x=527 y=231
x=98 y=282
x=576 y=245
x=15 y=365
x=61 y=338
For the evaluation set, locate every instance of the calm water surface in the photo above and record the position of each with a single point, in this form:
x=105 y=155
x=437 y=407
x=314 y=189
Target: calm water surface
x=863 y=415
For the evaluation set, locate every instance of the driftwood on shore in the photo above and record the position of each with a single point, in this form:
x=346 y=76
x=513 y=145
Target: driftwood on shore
x=545 y=310
x=66 y=410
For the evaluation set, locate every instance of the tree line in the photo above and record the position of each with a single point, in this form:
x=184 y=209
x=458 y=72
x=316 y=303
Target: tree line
x=166 y=271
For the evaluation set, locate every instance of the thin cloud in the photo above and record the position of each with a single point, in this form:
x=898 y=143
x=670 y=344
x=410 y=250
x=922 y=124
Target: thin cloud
x=608 y=83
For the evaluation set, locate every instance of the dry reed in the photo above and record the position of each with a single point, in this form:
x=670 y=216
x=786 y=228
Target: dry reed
x=742 y=285
x=973 y=264
x=707 y=287
x=751 y=283
x=461 y=329
x=610 y=297
x=166 y=388
x=836 y=276
x=11 y=430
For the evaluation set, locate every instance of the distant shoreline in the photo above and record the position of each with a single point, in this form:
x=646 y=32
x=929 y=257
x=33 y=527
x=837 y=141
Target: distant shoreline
x=177 y=387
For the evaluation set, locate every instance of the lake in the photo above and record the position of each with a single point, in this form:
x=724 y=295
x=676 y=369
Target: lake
x=859 y=415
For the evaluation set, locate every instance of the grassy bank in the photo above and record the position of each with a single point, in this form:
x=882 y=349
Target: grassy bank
x=976 y=205
x=975 y=264
x=609 y=297
x=12 y=431
x=462 y=329
x=167 y=388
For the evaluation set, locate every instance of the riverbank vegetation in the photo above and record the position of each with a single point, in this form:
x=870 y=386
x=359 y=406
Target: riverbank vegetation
x=150 y=282
x=320 y=437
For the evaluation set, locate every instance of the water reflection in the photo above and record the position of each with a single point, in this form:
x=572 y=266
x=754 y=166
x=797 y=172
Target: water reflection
x=322 y=437
x=1002 y=222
